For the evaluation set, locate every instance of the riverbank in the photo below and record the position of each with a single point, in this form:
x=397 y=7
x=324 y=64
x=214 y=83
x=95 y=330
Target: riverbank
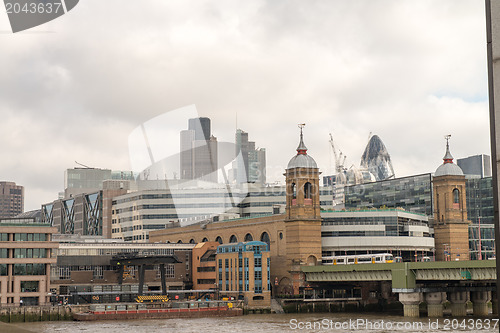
x=17 y=314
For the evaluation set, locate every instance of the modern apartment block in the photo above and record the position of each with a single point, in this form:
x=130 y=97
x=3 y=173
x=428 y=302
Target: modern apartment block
x=11 y=199
x=26 y=253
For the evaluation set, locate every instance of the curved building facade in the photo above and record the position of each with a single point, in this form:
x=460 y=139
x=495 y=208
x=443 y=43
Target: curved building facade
x=393 y=231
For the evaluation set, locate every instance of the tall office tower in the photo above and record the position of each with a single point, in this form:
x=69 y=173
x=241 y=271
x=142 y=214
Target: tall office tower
x=479 y=165
x=198 y=156
x=187 y=138
x=201 y=127
x=251 y=166
x=376 y=159
x=11 y=199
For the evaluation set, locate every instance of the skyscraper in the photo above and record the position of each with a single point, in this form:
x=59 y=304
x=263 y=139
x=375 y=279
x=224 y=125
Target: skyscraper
x=198 y=156
x=11 y=199
x=479 y=165
x=376 y=159
x=251 y=166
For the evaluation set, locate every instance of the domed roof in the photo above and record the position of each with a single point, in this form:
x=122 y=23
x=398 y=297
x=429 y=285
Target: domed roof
x=448 y=168
x=302 y=160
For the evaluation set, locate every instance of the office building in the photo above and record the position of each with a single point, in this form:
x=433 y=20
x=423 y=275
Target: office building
x=479 y=195
x=376 y=159
x=11 y=199
x=394 y=231
x=204 y=266
x=88 y=180
x=244 y=268
x=25 y=257
x=251 y=164
x=413 y=194
x=477 y=165
x=198 y=151
x=85 y=213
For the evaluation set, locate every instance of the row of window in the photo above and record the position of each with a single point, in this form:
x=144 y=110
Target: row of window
x=25 y=237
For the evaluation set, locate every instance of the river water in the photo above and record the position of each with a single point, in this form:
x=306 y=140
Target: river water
x=274 y=323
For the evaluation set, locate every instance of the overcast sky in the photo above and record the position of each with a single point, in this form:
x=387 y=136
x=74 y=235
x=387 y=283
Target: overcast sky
x=408 y=71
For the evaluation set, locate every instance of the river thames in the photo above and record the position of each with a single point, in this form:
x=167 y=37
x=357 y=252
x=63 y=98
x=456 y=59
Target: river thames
x=273 y=323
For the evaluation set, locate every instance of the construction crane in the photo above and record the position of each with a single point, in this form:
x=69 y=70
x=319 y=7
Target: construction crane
x=339 y=157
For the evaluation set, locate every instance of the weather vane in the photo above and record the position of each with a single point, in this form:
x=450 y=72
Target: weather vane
x=447 y=138
x=301 y=126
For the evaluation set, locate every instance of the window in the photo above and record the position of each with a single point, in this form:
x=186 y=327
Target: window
x=307 y=190
x=248 y=238
x=29 y=286
x=265 y=238
x=169 y=270
x=29 y=269
x=219 y=239
x=258 y=262
x=233 y=239
x=456 y=195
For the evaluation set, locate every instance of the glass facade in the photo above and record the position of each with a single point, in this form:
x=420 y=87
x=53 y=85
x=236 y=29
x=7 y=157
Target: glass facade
x=413 y=194
x=479 y=194
x=29 y=269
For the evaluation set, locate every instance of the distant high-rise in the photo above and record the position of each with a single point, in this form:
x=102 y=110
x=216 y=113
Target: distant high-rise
x=11 y=199
x=376 y=159
x=201 y=127
x=479 y=165
x=88 y=180
x=251 y=166
x=198 y=156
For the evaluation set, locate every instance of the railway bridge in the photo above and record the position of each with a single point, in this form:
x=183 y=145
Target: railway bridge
x=433 y=282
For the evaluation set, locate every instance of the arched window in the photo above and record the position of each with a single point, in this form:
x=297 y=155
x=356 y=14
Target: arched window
x=219 y=239
x=248 y=238
x=191 y=241
x=205 y=240
x=179 y=241
x=456 y=198
x=307 y=190
x=233 y=239
x=265 y=238
x=294 y=191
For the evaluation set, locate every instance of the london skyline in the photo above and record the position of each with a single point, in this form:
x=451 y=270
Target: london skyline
x=407 y=72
